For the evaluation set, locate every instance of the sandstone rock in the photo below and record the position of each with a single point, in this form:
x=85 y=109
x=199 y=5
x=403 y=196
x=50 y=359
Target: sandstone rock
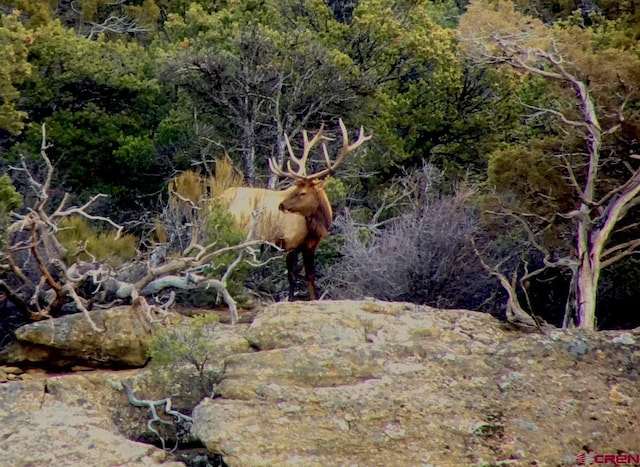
x=57 y=434
x=70 y=339
x=273 y=329
x=371 y=383
x=70 y=342
x=43 y=413
x=348 y=383
x=97 y=391
x=20 y=397
x=315 y=366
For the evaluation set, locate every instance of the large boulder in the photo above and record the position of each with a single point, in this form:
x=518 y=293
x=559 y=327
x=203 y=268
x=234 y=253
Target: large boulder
x=125 y=333
x=182 y=382
x=373 y=383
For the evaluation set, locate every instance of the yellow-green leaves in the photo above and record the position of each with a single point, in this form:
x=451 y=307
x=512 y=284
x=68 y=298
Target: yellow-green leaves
x=493 y=31
x=487 y=23
x=67 y=56
x=34 y=12
x=83 y=241
x=14 y=68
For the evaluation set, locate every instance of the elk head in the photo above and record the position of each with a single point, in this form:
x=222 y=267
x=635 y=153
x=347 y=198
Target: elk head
x=308 y=196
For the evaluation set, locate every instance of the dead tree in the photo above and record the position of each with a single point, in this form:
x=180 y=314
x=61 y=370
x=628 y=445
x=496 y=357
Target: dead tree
x=38 y=281
x=528 y=47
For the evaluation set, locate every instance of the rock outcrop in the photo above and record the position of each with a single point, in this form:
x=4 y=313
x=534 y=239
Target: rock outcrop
x=346 y=383
x=42 y=412
x=70 y=340
x=57 y=435
x=372 y=383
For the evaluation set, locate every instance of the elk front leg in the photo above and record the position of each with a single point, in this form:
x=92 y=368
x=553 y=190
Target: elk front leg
x=309 y=260
x=292 y=272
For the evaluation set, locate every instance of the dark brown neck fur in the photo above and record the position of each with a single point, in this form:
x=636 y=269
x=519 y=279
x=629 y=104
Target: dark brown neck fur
x=319 y=223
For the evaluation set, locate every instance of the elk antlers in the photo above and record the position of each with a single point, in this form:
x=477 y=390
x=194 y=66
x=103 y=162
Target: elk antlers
x=301 y=162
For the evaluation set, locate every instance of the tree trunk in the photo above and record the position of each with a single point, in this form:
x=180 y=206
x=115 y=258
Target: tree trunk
x=590 y=244
x=586 y=291
x=280 y=150
x=249 y=152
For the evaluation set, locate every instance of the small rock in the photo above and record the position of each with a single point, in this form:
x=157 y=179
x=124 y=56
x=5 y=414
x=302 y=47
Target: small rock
x=624 y=339
x=394 y=430
x=577 y=348
x=616 y=396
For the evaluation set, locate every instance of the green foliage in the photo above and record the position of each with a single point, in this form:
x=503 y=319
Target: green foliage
x=72 y=70
x=135 y=154
x=175 y=133
x=222 y=226
x=10 y=200
x=92 y=152
x=532 y=175
x=224 y=231
x=84 y=242
x=100 y=102
x=15 y=69
x=336 y=192
x=251 y=75
x=37 y=12
x=190 y=344
x=429 y=104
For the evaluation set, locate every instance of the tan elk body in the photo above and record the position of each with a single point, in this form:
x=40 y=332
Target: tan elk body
x=297 y=218
x=284 y=229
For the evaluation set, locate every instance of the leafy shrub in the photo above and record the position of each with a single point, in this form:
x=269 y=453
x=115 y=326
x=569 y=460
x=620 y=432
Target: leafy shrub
x=176 y=346
x=82 y=241
x=224 y=231
x=10 y=200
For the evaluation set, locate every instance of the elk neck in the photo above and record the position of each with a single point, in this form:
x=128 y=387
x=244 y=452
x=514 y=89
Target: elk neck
x=320 y=221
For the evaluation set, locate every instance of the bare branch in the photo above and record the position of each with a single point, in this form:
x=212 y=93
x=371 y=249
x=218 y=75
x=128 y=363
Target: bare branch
x=116 y=25
x=151 y=405
x=622 y=250
x=515 y=311
x=81 y=211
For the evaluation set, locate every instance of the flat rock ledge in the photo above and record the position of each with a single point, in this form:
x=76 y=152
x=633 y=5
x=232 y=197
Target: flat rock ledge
x=368 y=383
x=59 y=435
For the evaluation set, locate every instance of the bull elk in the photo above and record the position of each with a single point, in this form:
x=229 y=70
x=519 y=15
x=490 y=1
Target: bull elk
x=299 y=217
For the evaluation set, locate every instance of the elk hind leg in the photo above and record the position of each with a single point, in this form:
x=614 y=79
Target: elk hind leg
x=309 y=260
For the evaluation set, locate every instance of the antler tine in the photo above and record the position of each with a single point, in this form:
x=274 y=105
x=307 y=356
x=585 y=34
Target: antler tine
x=345 y=138
x=301 y=162
x=308 y=145
x=273 y=165
x=346 y=149
x=302 y=171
